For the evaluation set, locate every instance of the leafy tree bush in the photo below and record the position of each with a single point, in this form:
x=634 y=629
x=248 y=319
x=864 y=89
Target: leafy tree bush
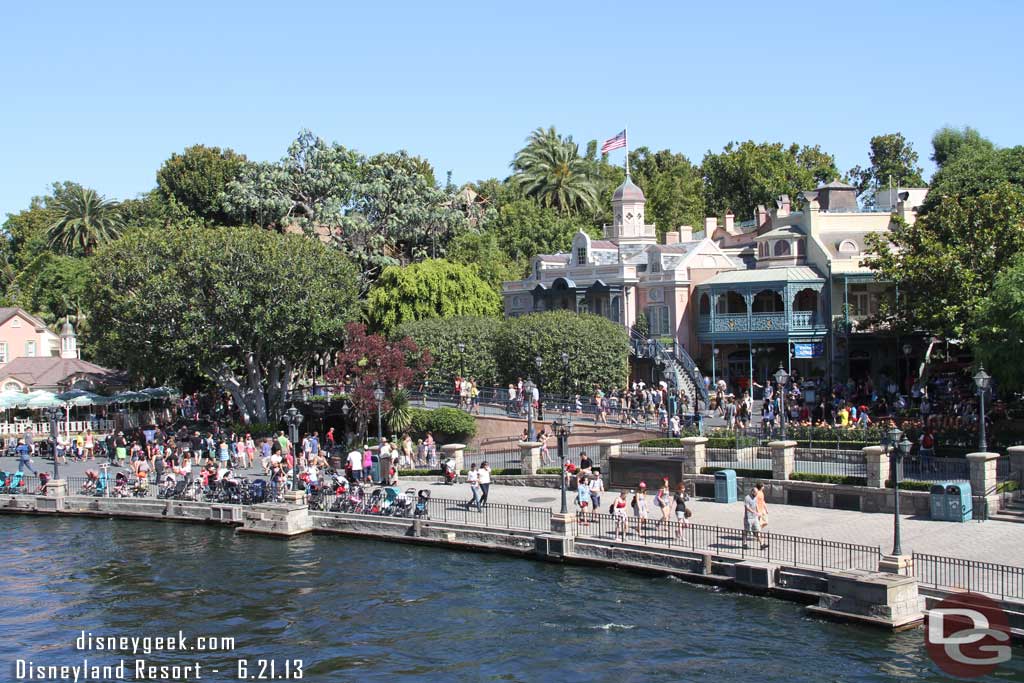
x=597 y=349
x=828 y=479
x=448 y=425
x=434 y=288
x=442 y=338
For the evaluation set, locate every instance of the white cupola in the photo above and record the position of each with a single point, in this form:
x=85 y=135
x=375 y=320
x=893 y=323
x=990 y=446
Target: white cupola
x=68 y=340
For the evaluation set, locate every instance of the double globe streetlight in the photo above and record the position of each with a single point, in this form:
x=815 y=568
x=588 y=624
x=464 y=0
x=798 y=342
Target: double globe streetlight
x=898 y=449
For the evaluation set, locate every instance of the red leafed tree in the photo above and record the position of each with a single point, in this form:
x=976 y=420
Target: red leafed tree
x=368 y=361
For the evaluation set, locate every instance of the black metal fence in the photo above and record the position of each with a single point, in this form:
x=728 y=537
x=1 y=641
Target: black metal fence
x=1001 y=580
x=794 y=551
x=752 y=458
x=843 y=463
x=926 y=468
x=493 y=515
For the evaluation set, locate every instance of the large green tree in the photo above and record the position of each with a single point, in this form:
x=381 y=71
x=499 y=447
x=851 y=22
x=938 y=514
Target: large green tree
x=194 y=182
x=999 y=327
x=309 y=186
x=945 y=263
x=434 y=288
x=483 y=251
x=524 y=229
x=244 y=307
x=893 y=160
x=746 y=174
x=970 y=165
x=396 y=216
x=673 y=186
x=550 y=170
x=85 y=219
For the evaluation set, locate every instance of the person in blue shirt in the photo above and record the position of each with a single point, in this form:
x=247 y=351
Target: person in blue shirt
x=24 y=460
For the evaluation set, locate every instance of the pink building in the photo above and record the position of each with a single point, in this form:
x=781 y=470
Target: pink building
x=22 y=335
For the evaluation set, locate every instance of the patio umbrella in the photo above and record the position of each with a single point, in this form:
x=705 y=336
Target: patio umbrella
x=44 y=400
x=129 y=397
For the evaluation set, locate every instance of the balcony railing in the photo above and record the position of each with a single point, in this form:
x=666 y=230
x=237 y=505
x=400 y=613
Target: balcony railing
x=759 y=322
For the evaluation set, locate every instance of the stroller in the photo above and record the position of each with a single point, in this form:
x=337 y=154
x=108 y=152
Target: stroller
x=451 y=476
x=375 y=503
x=390 y=504
x=352 y=501
x=402 y=507
x=168 y=487
x=44 y=479
x=257 y=491
x=422 y=498
x=92 y=478
x=317 y=497
x=120 y=485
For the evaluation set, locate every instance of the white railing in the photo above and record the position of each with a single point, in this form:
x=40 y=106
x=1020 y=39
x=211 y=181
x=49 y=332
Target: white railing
x=42 y=429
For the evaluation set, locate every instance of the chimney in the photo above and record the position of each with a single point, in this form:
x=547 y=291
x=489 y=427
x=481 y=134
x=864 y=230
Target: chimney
x=686 y=233
x=761 y=214
x=710 y=225
x=784 y=205
x=729 y=221
x=672 y=238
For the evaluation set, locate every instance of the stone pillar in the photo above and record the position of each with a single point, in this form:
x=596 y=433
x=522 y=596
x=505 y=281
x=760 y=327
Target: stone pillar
x=52 y=499
x=563 y=525
x=529 y=456
x=608 y=449
x=783 y=459
x=456 y=451
x=1016 y=454
x=877 y=461
x=983 y=478
x=694 y=454
x=277 y=519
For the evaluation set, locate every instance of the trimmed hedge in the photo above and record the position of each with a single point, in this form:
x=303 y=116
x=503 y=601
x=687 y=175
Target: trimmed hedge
x=911 y=485
x=828 y=479
x=750 y=474
x=448 y=425
x=714 y=441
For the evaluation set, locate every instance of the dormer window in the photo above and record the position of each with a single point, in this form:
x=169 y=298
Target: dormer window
x=848 y=247
x=581 y=256
x=656 y=264
x=782 y=248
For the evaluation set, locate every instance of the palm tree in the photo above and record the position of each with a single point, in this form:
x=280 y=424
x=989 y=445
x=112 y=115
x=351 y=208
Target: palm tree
x=86 y=220
x=550 y=169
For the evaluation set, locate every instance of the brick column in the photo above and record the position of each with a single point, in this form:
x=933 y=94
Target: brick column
x=877 y=461
x=694 y=454
x=983 y=478
x=1016 y=454
x=529 y=456
x=783 y=459
x=457 y=451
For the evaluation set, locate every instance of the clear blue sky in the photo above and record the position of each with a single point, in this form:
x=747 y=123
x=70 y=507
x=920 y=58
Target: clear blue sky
x=101 y=93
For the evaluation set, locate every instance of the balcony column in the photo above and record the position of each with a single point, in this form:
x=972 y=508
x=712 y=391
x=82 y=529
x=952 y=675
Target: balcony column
x=748 y=299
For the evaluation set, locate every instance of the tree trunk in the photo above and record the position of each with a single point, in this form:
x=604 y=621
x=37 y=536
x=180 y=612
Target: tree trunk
x=257 y=396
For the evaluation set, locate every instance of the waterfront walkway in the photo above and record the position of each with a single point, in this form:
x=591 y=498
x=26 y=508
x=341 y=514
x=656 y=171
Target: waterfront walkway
x=990 y=541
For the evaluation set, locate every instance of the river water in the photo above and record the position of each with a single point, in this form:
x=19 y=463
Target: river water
x=355 y=610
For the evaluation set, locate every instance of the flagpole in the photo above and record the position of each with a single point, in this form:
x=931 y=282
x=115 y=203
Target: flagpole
x=625 y=132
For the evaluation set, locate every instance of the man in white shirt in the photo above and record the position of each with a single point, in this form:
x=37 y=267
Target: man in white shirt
x=473 y=479
x=484 y=477
x=385 y=447
x=355 y=462
x=596 y=489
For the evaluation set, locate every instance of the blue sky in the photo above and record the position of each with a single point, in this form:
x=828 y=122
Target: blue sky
x=101 y=93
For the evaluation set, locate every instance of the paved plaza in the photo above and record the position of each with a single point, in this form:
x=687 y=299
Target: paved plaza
x=990 y=541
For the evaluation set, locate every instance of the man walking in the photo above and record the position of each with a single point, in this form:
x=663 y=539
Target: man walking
x=473 y=479
x=485 y=482
x=355 y=464
x=24 y=459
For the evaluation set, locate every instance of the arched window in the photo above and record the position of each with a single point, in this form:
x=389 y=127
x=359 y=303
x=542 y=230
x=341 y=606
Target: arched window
x=768 y=301
x=616 y=303
x=705 y=305
x=806 y=300
x=848 y=247
x=12 y=386
x=782 y=248
x=732 y=303
x=581 y=256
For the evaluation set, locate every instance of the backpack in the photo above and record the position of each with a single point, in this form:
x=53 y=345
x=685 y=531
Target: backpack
x=927 y=441
x=611 y=508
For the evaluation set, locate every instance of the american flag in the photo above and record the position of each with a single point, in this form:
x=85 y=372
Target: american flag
x=616 y=142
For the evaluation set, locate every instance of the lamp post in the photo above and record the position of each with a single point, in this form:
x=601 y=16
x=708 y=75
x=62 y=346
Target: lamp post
x=462 y=361
x=293 y=418
x=378 y=396
x=714 y=357
x=565 y=368
x=982 y=380
x=781 y=377
x=528 y=390
x=538 y=361
x=345 y=409
x=897 y=449
x=563 y=428
x=53 y=414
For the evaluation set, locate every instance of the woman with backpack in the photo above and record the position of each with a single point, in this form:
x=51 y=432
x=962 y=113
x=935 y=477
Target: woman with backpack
x=618 y=511
x=682 y=512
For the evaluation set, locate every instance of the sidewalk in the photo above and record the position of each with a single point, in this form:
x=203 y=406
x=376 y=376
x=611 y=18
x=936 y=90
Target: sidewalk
x=998 y=542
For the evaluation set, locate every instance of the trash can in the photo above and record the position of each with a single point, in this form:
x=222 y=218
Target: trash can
x=375 y=468
x=384 y=470
x=725 y=486
x=959 y=502
x=938 y=502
